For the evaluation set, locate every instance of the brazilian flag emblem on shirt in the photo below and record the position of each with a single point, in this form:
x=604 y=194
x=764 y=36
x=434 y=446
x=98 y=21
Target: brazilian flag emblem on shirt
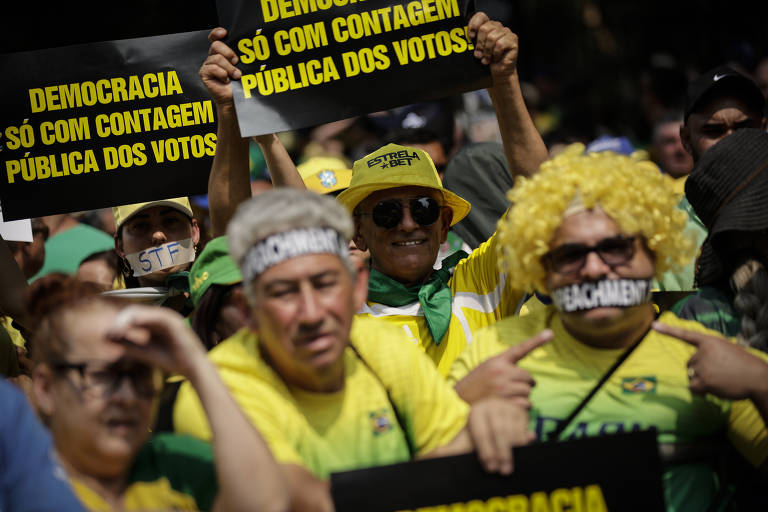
x=635 y=385
x=380 y=421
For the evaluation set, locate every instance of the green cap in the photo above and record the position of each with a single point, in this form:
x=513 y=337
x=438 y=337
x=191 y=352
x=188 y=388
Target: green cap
x=212 y=266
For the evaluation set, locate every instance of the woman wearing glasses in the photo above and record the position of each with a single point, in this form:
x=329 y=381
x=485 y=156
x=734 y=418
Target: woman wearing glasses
x=592 y=231
x=99 y=370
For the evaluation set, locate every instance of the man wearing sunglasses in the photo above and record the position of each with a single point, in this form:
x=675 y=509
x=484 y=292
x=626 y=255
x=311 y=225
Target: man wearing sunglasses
x=606 y=224
x=403 y=213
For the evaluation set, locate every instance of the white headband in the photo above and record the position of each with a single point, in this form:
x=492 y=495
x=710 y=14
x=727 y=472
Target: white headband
x=283 y=246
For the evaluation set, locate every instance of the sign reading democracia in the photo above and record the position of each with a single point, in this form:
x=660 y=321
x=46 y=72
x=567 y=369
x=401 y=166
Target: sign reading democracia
x=616 y=473
x=103 y=124
x=307 y=62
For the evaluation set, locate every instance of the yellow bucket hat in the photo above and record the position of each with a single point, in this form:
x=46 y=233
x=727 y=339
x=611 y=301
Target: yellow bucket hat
x=324 y=175
x=398 y=166
x=125 y=212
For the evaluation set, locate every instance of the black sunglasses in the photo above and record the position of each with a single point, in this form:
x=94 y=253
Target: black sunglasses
x=570 y=258
x=388 y=214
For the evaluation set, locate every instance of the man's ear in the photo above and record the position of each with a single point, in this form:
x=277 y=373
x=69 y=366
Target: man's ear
x=195 y=232
x=42 y=393
x=446 y=214
x=240 y=302
x=685 y=139
x=245 y=304
x=358 y=237
x=360 y=289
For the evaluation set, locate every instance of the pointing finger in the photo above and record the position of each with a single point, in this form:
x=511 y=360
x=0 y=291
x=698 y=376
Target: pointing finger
x=691 y=337
x=518 y=352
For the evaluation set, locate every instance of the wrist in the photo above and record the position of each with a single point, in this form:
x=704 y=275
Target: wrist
x=265 y=140
x=199 y=368
x=225 y=109
x=759 y=393
x=504 y=80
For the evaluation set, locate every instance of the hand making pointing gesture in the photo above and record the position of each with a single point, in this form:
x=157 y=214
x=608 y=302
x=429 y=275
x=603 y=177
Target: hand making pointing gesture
x=723 y=368
x=500 y=376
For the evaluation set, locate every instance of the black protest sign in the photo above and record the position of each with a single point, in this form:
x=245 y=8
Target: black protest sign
x=103 y=124
x=611 y=473
x=307 y=62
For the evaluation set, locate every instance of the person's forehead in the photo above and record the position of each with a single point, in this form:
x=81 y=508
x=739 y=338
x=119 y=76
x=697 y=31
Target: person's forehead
x=400 y=193
x=719 y=105
x=667 y=130
x=156 y=212
x=586 y=226
x=307 y=266
x=86 y=334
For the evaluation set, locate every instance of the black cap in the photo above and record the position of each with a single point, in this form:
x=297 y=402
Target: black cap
x=722 y=79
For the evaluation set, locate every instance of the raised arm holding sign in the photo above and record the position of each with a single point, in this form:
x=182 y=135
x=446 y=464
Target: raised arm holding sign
x=228 y=184
x=497 y=47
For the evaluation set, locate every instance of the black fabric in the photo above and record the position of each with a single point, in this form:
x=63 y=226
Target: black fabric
x=164 y=420
x=728 y=189
x=480 y=174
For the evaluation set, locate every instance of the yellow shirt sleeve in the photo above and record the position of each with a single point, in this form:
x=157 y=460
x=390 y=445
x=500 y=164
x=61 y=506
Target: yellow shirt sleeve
x=432 y=411
x=746 y=428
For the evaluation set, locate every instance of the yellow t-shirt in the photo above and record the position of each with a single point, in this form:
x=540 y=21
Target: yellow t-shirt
x=349 y=429
x=649 y=390
x=481 y=296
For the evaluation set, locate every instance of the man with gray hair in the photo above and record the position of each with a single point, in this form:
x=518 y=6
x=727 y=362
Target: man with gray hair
x=331 y=392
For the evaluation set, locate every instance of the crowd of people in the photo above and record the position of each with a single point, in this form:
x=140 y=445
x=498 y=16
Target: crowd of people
x=397 y=296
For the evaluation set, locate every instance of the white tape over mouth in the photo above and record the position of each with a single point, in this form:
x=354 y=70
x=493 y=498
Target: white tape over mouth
x=622 y=293
x=154 y=259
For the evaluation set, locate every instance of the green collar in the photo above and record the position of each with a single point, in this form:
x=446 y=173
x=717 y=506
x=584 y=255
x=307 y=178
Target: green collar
x=434 y=295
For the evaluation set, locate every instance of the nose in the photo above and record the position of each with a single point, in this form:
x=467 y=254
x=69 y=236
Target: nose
x=158 y=236
x=125 y=390
x=407 y=223
x=310 y=306
x=594 y=267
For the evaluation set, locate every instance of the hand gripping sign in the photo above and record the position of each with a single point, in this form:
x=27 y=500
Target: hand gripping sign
x=307 y=62
x=168 y=255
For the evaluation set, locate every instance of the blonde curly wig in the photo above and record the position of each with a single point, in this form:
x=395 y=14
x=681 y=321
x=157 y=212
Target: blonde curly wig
x=631 y=190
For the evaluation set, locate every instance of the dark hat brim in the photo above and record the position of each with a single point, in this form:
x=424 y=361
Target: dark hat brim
x=747 y=212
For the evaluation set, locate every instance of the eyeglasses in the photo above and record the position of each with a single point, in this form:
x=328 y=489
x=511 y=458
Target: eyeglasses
x=388 y=214
x=570 y=258
x=103 y=379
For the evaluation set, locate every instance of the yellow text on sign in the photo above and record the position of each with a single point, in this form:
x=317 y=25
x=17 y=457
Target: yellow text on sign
x=575 y=499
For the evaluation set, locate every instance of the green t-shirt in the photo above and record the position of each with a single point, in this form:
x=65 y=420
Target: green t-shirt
x=683 y=280
x=711 y=307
